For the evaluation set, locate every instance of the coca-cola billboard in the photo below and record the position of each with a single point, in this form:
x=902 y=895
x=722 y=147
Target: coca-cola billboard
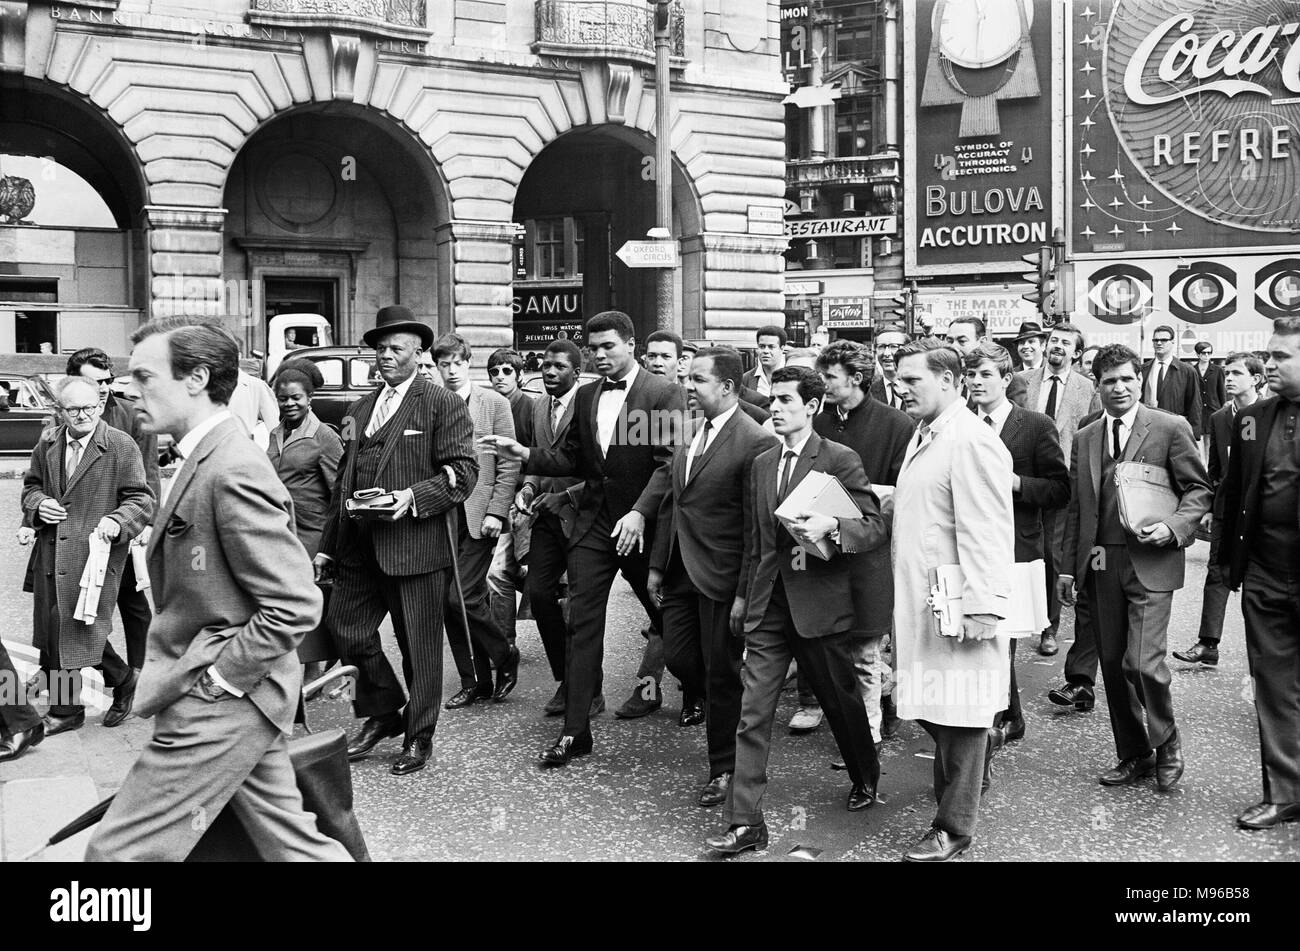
x=1185 y=123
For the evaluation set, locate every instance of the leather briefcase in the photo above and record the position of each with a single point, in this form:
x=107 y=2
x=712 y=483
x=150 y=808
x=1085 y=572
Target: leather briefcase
x=1145 y=495
x=320 y=765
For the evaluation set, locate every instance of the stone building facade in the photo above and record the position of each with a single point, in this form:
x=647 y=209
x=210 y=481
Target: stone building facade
x=480 y=161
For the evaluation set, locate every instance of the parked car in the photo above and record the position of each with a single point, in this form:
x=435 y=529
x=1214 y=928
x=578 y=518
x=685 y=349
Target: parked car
x=27 y=408
x=350 y=373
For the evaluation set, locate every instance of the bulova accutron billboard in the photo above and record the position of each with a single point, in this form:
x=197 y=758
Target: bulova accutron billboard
x=982 y=138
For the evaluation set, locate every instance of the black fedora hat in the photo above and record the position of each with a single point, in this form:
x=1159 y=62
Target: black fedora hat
x=398 y=319
x=1030 y=328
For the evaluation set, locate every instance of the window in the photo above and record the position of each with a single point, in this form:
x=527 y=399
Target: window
x=331 y=371
x=555 y=249
x=853 y=43
x=58 y=196
x=853 y=126
x=363 y=373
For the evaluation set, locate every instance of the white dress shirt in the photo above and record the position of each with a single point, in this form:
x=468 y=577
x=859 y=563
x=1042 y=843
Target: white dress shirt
x=1125 y=428
x=999 y=416
x=712 y=429
x=1153 y=381
x=400 y=391
x=798 y=451
x=558 y=414
x=762 y=382
x=67 y=453
x=609 y=405
x=1045 y=390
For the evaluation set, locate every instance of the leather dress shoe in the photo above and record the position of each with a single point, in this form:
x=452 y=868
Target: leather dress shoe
x=597 y=705
x=22 y=741
x=507 y=676
x=1266 y=815
x=739 y=839
x=1129 y=771
x=555 y=706
x=1169 y=762
x=1199 y=653
x=123 y=698
x=637 y=705
x=564 y=749
x=860 y=797
x=415 y=756
x=806 y=719
x=1079 y=696
x=56 y=725
x=1047 y=645
x=714 y=792
x=692 y=711
x=374 y=730
x=938 y=845
x=1013 y=730
x=468 y=696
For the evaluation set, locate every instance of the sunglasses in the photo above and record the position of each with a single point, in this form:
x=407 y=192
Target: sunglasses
x=501 y=371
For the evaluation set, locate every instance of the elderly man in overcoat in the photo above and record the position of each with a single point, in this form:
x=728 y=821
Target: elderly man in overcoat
x=86 y=479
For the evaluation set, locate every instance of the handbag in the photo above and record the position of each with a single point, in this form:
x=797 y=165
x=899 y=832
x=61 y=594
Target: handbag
x=320 y=766
x=1145 y=495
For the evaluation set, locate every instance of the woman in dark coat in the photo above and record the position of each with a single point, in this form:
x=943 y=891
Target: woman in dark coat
x=305 y=453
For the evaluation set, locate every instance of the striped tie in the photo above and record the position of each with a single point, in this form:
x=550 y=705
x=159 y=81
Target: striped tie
x=381 y=413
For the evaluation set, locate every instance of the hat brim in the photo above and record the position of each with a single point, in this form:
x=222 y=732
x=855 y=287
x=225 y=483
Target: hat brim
x=423 y=331
x=1042 y=334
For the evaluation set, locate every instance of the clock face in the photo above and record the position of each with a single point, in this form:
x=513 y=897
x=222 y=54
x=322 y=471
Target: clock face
x=980 y=33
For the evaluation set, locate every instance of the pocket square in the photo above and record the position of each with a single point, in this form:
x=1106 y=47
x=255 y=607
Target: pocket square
x=412 y=432
x=177 y=526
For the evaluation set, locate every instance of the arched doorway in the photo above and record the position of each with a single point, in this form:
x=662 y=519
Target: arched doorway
x=332 y=210
x=581 y=199
x=71 y=200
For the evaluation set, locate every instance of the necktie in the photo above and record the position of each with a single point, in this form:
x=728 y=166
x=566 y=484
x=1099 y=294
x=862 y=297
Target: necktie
x=787 y=467
x=989 y=420
x=71 y=463
x=614 y=385
x=1159 y=383
x=1115 y=450
x=382 y=412
x=557 y=410
x=699 y=450
x=1051 y=397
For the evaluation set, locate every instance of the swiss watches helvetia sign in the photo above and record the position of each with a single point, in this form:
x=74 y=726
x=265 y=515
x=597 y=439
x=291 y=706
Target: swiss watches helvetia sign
x=979 y=132
x=1184 y=127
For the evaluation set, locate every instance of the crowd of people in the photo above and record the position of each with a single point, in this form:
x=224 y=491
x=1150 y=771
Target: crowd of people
x=861 y=513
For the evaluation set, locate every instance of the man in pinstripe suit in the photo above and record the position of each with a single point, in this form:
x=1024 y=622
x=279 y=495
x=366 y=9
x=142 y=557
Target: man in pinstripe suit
x=413 y=438
x=482 y=518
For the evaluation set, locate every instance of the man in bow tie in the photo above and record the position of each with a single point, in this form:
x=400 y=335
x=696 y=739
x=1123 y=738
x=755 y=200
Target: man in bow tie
x=621 y=441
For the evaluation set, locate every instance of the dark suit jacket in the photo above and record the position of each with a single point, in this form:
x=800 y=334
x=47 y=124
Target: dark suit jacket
x=706 y=521
x=877 y=389
x=1180 y=394
x=117 y=416
x=1220 y=441
x=819 y=592
x=754 y=411
x=549 y=438
x=751 y=396
x=1250 y=434
x=1213 y=393
x=431 y=436
x=242 y=606
x=1158 y=439
x=1037 y=458
x=633 y=475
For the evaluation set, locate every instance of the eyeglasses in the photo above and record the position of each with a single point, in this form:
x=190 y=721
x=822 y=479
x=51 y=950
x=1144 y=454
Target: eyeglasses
x=1162 y=339
x=501 y=371
x=86 y=411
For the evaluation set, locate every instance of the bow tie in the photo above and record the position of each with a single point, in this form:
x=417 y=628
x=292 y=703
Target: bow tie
x=614 y=385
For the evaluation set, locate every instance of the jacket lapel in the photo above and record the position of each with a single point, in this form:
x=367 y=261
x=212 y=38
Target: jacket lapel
x=1256 y=459
x=398 y=421
x=723 y=436
x=803 y=465
x=1094 y=455
x=181 y=482
x=1138 y=436
x=54 y=462
x=1011 y=427
x=595 y=417
x=95 y=446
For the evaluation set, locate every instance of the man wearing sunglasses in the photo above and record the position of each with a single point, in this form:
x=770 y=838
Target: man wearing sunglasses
x=505 y=577
x=1170 y=384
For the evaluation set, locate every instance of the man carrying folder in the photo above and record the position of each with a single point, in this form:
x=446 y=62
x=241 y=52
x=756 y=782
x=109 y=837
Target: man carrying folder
x=1132 y=575
x=798 y=605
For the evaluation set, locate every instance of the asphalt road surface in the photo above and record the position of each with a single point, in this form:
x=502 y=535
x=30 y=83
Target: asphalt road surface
x=482 y=797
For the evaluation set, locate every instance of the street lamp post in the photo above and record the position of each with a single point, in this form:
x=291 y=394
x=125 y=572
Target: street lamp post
x=665 y=317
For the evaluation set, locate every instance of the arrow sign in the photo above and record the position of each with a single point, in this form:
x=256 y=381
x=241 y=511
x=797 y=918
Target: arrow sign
x=648 y=254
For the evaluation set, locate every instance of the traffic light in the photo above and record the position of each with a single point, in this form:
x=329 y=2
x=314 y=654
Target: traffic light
x=1040 y=277
x=906 y=313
